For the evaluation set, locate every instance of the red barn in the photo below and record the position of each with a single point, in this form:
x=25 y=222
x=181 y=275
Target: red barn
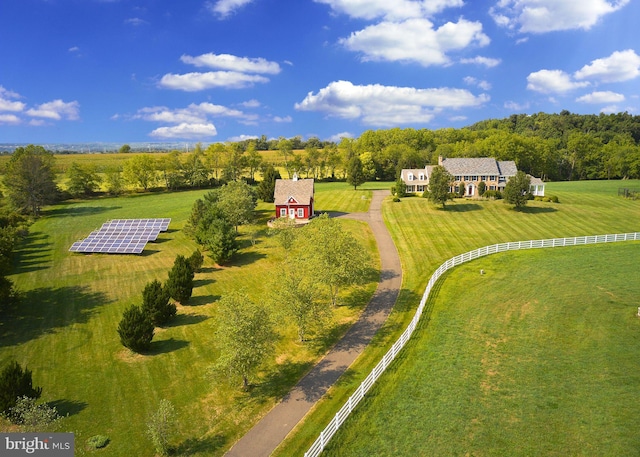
x=294 y=198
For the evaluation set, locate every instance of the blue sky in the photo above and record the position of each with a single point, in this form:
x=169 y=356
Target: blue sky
x=224 y=70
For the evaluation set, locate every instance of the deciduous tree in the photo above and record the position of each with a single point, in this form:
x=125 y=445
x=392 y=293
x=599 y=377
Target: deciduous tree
x=140 y=170
x=161 y=426
x=30 y=179
x=355 y=173
x=245 y=336
x=516 y=192
x=82 y=179
x=439 y=183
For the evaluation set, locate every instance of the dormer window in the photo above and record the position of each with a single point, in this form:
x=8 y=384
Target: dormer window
x=410 y=176
x=421 y=176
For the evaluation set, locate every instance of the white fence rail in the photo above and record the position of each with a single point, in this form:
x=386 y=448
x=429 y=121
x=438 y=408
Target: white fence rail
x=364 y=387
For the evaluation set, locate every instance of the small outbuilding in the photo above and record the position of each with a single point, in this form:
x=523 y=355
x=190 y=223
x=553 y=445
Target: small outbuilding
x=294 y=198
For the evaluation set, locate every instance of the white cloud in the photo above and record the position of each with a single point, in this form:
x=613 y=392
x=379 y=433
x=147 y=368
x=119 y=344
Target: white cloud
x=338 y=136
x=514 y=106
x=10 y=105
x=233 y=63
x=540 y=16
x=471 y=81
x=135 y=21
x=192 y=82
x=192 y=114
x=390 y=11
x=242 y=138
x=251 y=104
x=415 y=40
x=9 y=119
x=386 y=105
x=601 y=97
x=284 y=119
x=486 y=61
x=225 y=8
x=186 y=131
x=619 y=66
x=552 y=81
x=56 y=110
x=611 y=109
x=74 y=49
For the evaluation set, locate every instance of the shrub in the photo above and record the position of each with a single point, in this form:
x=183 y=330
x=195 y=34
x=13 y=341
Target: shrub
x=15 y=382
x=396 y=199
x=32 y=417
x=135 y=329
x=554 y=198
x=161 y=426
x=482 y=188
x=97 y=442
x=155 y=303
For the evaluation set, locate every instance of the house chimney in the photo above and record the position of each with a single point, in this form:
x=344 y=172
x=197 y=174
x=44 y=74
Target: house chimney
x=295 y=176
x=440 y=160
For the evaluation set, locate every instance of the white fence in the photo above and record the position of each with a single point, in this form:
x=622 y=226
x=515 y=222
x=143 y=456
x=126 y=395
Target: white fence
x=354 y=399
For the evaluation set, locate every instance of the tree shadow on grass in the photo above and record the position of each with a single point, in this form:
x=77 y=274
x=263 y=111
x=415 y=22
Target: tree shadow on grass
x=245 y=258
x=278 y=383
x=46 y=310
x=186 y=319
x=31 y=253
x=463 y=207
x=166 y=346
x=202 y=300
x=202 y=282
x=72 y=211
x=68 y=407
x=201 y=446
x=536 y=210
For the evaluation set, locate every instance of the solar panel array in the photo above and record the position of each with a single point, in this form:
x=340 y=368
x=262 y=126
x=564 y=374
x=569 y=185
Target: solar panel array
x=122 y=236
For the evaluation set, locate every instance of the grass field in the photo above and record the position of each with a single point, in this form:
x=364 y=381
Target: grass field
x=536 y=357
x=65 y=329
x=426 y=236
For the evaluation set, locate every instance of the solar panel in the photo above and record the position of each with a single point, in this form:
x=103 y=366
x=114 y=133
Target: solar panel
x=122 y=236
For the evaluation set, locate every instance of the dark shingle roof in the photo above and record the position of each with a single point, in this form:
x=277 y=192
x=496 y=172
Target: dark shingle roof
x=301 y=190
x=508 y=168
x=471 y=166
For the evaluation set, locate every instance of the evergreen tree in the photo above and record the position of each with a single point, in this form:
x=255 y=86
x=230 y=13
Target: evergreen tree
x=196 y=260
x=156 y=304
x=267 y=186
x=220 y=241
x=180 y=282
x=135 y=329
x=15 y=382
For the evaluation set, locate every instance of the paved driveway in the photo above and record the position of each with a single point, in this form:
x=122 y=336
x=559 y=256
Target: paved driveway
x=267 y=434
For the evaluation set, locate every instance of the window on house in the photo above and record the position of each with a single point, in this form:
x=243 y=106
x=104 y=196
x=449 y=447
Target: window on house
x=492 y=178
x=411 y=189
x=502 y=179
x=283 y=212
x=492 y=187
x=420 y=188
x=458 y=178
x=474 y=178
x=421 y=177
x=483 y=178
x=300 y=212
x=466 y=178
x=410 y=176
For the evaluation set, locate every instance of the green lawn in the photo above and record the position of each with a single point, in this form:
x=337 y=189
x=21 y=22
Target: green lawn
x=65 y=329
x=426 y=236
x=536 y=357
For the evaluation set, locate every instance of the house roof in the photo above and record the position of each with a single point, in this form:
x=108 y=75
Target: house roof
x=301 y=191
x=416 y=174
x=472 y=166
x=508 y=168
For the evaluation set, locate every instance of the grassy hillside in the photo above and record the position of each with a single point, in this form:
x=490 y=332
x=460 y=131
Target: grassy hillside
x=65 y=328
x=426 y=236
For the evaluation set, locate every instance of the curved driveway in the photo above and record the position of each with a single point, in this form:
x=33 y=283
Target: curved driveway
x=269 y=432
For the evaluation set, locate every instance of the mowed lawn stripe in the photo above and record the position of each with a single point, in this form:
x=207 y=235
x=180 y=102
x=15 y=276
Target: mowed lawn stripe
x=547 y=370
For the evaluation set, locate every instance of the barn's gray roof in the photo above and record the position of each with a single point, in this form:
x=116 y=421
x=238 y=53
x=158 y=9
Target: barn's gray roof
x=301 y=190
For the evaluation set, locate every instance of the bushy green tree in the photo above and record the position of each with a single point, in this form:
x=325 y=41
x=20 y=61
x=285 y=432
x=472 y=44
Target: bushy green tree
x=180 y=281
x=267 y=186
x=220 y=240
x=482 y=188
x=82 y=179
x=400 y=188
x=516 y=192
x=355 y=172
x=196 y=259
x=237 y=201
x=245 y=336
x=439 y=183
x=135 y=329
x=140 y=170
x=29 y=179
x=15 y=382
x=156 y=303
